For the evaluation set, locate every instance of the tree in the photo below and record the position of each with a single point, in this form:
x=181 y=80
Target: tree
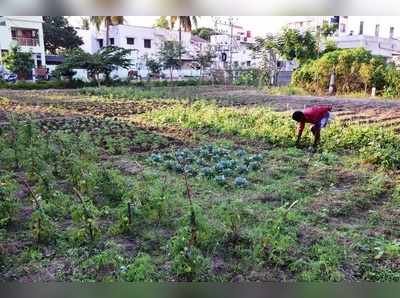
x=265 y=49
x=19 y=62
x=204 y=32
x=162 y=22
x=103 y=61
x=59 y=35
x=107 y=21
x=169 y=55
x=205 y=59
x=186 y=23
x=292 y=44
x=329 y=29
x=153 y=65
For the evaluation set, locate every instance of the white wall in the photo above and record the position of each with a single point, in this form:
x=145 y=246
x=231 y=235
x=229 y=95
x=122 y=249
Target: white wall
x=370 y=22
x=27 y=22
x=139 y=53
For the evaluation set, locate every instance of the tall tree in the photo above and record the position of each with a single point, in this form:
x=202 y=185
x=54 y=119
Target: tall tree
x=107 y=21
x=161 y=22
x=59 y=35
x=292 y=44
x=186 y=23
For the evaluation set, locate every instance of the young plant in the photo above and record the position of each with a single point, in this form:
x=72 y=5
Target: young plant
x=84 y=215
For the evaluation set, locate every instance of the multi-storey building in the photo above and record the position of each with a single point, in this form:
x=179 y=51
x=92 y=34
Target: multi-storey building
x=376 y=34
x=233 y=48
x=145 y=42
x=25 y=31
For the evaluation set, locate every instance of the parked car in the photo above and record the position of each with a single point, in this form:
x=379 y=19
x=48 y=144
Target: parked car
x=9 y=77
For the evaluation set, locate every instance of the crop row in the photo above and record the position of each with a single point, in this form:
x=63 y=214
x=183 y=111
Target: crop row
x=376 y=144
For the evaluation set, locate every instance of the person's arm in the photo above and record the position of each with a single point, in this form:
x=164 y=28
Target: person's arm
x=300 y=132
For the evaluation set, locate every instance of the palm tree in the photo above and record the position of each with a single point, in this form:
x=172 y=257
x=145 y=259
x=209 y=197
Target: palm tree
x=185 y=22
x=107 y=21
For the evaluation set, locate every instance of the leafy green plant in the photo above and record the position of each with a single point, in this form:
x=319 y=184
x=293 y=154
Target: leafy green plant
x=84 y=215
x=8 y=205
x=188 y=262
x=142 y=269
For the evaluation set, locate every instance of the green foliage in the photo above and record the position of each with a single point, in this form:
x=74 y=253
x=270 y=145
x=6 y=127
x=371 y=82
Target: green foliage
x=355 y=70
x=84 y=217
x=153 y=65
x=205 y=58
x=392 y=82
x=43 y=229
x=325 y=262
x=329 y=29
x=8 y=204
x=107 y=261
x=141 y=270
x=248 y=78
x=104 y=61
x=59 y=35
x=162 y=22
x=169 y=55
x=204 y=32
x=18 y=62
x=222 y=164
x=188 y=262
x=375 y=144
x=276 y=240
x=292 y=44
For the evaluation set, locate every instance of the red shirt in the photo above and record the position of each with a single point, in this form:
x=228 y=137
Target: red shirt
x=313 y=115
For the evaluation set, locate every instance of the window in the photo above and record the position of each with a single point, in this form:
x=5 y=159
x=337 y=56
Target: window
x=130 y=40
x=377 y=30
x=361 y=28
x=147 y=43
x=100 y=41
x=248 y=63
x=111 y=40
x=391 y=33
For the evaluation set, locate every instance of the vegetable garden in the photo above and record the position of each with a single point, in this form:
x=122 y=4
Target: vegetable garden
x=207 y=186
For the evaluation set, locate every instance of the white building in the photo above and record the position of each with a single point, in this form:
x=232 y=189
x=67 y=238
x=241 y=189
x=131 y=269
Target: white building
x=374 y=33
x=145 y=42
x=235 y=48
x=26 y=31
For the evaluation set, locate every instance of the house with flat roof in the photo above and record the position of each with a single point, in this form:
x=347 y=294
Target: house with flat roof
x=25 y=31
x=145 y=42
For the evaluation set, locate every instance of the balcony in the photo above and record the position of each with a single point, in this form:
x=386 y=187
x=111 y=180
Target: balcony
x=27 y=42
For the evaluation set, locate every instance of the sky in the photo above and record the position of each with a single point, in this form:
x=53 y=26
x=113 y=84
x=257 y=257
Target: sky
x=258 y=25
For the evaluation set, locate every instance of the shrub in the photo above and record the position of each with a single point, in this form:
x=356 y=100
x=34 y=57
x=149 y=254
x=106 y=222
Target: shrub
x=142 y=269
x=355 y=70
